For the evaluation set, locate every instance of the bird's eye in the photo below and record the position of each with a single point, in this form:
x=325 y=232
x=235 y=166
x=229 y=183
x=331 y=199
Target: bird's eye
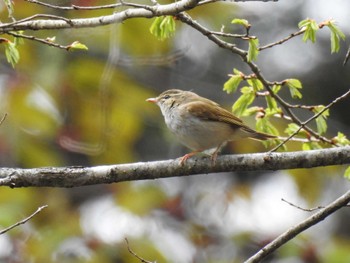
x=166 y=97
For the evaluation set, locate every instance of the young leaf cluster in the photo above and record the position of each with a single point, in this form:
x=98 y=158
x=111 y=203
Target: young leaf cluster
x=163 y=27
x=249 y=93
x=253 y=43
x=336 y=35
x=294 y=86
x=11 y=49
x=310 y=28
x=76 y=45
x=321 y=120
x=341 y=139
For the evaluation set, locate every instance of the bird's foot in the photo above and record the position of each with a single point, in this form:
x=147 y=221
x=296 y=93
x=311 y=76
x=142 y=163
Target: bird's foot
x=187 y=156
x=213 y=158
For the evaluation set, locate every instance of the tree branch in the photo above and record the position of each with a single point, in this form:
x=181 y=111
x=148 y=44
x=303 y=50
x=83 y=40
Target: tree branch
x=134 y=254
x=25 y=220
x=185 y=18
x=303 y=124
x=81 y=176
x=294 y=231
x=146 y=11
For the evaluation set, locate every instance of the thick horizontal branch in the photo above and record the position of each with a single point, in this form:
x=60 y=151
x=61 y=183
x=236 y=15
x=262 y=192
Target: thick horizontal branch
x=80 y=176
x=117 y=17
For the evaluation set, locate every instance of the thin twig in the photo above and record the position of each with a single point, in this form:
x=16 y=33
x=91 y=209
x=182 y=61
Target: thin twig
x=346 y=57
x=305 y=107
x=295 y=139
x=243 y=54
x=3 y=119
x=134 y=254
x=241 y=36
x=303 y=124
x=74 y=7
x=301 y=208
x=285 y=105
x=214 y=1
x=302 y=226
x=23 y=221
x=301 y=31
x=40 y=40
x=77 y=7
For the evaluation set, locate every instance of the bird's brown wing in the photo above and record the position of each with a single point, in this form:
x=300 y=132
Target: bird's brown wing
x=202 y=110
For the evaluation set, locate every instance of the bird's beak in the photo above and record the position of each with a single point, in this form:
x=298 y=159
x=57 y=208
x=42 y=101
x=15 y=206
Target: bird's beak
x=153 y=100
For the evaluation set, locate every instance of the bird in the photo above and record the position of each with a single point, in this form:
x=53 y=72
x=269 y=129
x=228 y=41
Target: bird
x=200 y=123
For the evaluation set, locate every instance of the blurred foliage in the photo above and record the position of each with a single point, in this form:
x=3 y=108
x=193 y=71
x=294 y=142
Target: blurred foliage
x=144 y=198
x=88 y=108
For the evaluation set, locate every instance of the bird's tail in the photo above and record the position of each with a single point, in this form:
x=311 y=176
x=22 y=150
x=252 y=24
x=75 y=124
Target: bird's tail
x=258 y=135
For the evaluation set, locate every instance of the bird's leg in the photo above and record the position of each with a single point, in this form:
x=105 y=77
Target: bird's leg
x=215 y=154
x=213 y=157
x=187 y=156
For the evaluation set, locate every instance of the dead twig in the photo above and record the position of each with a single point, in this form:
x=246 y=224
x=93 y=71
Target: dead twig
x=23 y=221
x=134 y=254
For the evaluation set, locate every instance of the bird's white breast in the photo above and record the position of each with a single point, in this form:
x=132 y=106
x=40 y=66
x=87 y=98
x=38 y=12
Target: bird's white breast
x=195 y=133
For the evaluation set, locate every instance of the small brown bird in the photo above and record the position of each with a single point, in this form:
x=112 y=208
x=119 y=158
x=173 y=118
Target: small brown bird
x=201 y=124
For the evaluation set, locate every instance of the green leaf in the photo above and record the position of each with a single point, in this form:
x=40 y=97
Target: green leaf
x=242 y=103
x=294 y=85
x=253 y=50
x=264 y=125
x=292 y=128
x=295 y=93
x=341 y=139
x=336 y=35
x=163 y=27
x=310 y=27
x=335 y=46
x=18 y=40
x=321 y=120
x=276 y=88
x=272 y=106
x=232 y=84
x=321 y=125
x=256 y=84
x=242 y=22
x=76 y=45
x=311 y=146
x=11 y=52
x=320 y=108
x=247 y=90
x=347 y=173
x=252 y=110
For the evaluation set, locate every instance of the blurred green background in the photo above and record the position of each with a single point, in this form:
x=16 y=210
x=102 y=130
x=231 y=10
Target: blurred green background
x=88 y=108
